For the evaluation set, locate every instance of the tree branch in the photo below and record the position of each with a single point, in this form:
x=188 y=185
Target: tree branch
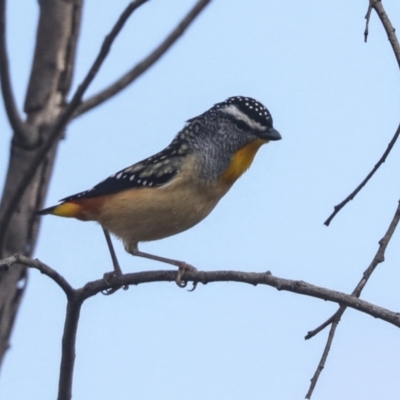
x=390 y=30
x=56 y=130
x=20 y=131
x=321 y=364
x=353 y=194
x=335 y=318
x=76 y=297
x=43 y=268
x=104 y=50
x=367 y=19
x=68 y=349
x=387 y=25
x=143 y=65
x=252 y=278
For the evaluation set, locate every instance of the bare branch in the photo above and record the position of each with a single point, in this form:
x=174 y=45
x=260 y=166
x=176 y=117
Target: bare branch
x=378 y=258
x=252 y=278
x=76 y=297
x=143 y=65
x=68 y=349
x=390 y=30
x=335 y=318
x=57 y=129
x=367 y=18
x=378 y=7
x=20 y=131
x=105 y=48
x=321 y=364
x=43 y=268
x=353 y=194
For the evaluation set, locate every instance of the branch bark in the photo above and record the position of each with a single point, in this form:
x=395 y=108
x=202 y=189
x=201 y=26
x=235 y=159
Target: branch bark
x=76 y=298
x=56 y=125
x=20 y=131
x=253 y=278
x=143 y=65
x=30 y=166
x=49 y=83
x=335 y=318
x=391 y=33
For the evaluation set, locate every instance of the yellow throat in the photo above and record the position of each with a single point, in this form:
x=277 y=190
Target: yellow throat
x=241 y=161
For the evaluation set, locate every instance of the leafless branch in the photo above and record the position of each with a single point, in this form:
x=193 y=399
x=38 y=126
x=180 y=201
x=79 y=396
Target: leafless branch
x=321 y=364
x=68 y=348
x=76 y=297
x=390 y=30
x=43 y=268
x=20 y=132
x=378 y=258
x=145 y=64
x=252 y=278
x=335 y=318
x=367 y=18
x=104 y=50
x=58 y=127
x=378 y=7
x=353 y=194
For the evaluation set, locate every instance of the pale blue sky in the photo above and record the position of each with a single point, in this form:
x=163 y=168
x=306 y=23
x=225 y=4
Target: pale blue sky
x=335 y=101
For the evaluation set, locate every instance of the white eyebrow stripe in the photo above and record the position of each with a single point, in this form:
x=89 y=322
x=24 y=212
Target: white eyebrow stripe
x=234 y=111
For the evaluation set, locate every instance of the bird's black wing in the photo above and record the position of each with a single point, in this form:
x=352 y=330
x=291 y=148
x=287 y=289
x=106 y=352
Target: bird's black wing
x=154 y=171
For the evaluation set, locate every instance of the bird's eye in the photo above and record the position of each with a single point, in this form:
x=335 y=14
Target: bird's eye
x=241 y=125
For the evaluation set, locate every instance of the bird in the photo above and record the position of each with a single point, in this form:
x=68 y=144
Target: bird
x=173 y=190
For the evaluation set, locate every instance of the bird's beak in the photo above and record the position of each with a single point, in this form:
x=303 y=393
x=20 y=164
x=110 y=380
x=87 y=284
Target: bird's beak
x=271 y=134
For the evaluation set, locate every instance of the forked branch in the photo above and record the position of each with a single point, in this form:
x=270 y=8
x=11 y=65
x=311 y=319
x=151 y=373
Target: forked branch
x=391 y=33
x=145 y=64
x=58 y=127
x=335 y=318
x=76 y=297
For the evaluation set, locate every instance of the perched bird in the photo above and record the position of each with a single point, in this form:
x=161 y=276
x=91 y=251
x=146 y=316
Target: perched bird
x=178 y=187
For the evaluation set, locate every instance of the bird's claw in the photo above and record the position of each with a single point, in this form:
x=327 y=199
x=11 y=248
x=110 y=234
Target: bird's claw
x=108 y=277
x=183 y=268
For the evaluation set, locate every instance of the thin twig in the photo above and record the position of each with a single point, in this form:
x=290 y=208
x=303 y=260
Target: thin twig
x=367 y=17
x=353 y=194
x=20 y=132
x=43 y=268
x=391 y=33
x=378 y=258
x=335 y=318
x=390 y=30
x=143 y=65
x=321 y=364
x=104 y=50
x=58 y=127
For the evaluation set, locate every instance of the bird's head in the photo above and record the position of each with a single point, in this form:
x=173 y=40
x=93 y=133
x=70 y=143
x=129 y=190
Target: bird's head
x=228 y=135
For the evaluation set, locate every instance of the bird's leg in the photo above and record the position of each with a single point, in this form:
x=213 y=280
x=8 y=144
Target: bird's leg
x=183 y=267
x=117 y=269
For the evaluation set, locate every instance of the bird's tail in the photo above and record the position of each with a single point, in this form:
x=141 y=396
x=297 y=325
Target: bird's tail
x=45 y=211
x=67 y=209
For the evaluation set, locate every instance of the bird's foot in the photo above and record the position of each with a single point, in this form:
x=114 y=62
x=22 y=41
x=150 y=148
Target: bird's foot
x=108 y=278
x=183 y=268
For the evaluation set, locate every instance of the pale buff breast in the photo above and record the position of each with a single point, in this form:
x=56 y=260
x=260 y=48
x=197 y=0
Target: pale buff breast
x=155 y=213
